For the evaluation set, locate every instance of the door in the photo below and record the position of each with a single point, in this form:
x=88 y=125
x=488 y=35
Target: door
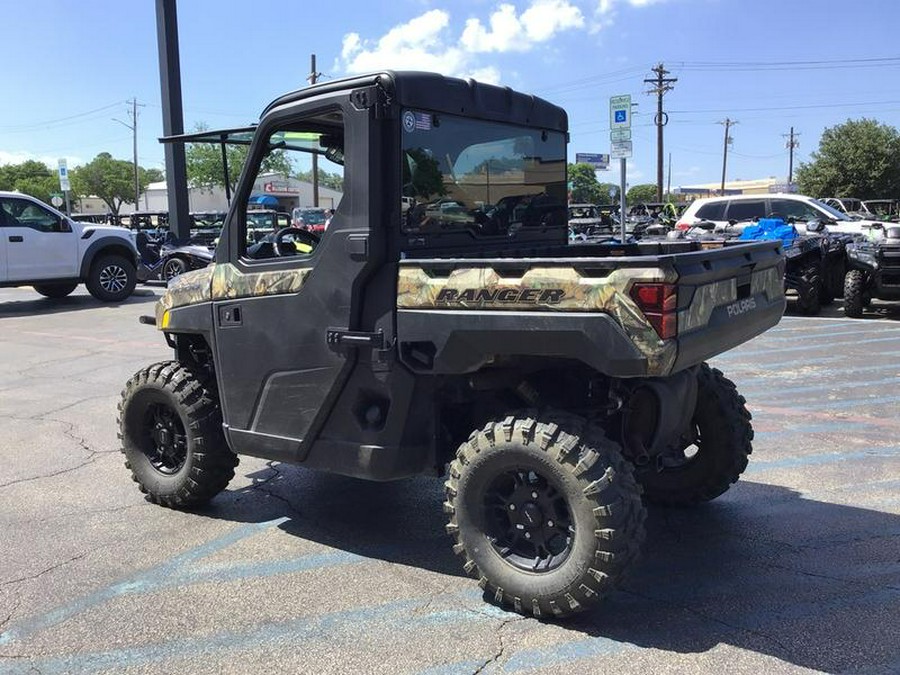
x=283 y=305
x=40 y=244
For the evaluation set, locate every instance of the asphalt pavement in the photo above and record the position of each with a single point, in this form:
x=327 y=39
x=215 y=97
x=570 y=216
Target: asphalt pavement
x=797 y=568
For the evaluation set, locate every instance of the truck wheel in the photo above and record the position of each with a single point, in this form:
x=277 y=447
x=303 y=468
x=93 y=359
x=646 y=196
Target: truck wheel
x=174 y=267
x=55 y=290
x=854 y=292
x=112 y=278
x=170 y=426
x=545 y=512
x=705 y=465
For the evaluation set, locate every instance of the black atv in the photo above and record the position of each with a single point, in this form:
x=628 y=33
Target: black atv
x=874 y=271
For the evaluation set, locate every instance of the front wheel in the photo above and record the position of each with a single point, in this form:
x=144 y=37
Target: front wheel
x=112 y=278
x=713 y=455
x=854 y=294
x=809 y=302
x=545 y=512
x=55 y=290
x=170 y=426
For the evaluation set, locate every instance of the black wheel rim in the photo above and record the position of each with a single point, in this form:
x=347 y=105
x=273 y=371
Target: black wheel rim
x=172 y=270
x=166 y=441
x=528 y=521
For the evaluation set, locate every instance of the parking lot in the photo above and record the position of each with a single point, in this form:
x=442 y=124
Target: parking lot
x=797 y=567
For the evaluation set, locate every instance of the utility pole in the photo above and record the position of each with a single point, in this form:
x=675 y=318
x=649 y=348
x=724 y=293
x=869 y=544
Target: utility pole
x=728 y=124
x=791 y=144
x=133 y=114
x=669 y=177
x=661 y=84
x=313 y=78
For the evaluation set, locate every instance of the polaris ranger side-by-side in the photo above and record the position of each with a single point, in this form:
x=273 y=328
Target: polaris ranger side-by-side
x=442 y=325
x=874 y=270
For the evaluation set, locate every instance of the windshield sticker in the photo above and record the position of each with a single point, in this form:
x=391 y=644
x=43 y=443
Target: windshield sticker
x=416 y=121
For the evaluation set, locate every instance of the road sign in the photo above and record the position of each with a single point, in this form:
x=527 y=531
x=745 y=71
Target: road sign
x=596 y=160
x=619 y=135
x=620 y=150
x=620 y=112
x=612 y=191
x=64 y=176
x=56 y=200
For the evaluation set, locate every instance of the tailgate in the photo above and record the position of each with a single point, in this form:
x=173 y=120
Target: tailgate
x=726 y=297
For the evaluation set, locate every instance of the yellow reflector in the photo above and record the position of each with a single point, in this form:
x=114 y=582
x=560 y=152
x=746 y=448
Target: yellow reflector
x=165 y=320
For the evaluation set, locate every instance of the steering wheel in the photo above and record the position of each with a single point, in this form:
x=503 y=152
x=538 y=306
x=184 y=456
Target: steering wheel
x=299 y=236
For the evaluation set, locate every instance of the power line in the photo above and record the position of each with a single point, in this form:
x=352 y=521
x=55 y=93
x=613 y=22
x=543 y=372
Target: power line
x=38 y=125
x=792 y=107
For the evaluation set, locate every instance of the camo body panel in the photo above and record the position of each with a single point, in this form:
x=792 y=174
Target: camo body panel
x=416 y=289
x=225 y=282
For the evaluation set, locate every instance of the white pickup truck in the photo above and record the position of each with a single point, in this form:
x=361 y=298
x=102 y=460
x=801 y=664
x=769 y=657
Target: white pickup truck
x=41 y=247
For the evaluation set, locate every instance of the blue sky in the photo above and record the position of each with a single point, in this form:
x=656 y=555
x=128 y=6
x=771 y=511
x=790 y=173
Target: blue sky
x=69 y=67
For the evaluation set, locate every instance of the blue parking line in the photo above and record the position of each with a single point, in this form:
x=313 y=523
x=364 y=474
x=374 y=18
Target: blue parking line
x=140 y=583
x=742 y=353
x=818 y=459
x=774 y=391
x=828 y=335
x=733 y=367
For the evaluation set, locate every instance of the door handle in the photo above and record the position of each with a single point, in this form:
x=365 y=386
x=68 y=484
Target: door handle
x=16 y=238
x=230 y=315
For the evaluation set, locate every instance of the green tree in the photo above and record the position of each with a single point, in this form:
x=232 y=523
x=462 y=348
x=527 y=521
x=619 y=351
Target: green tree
x=335 y=181
x=31 y=177
x=860 y=158
x=151 y=176
x=110 y=179
x=204 y=163
x=422 y=176
x=641 y=193
x=585 y=188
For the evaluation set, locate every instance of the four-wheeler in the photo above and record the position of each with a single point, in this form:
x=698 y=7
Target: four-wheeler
x=163 y=257
x=41 y=247
x=874 y=271
x=586 y=220
x=552 y=385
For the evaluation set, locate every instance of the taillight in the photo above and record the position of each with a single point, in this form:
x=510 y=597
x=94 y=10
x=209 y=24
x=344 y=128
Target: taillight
x=659 y=303
x=684 y=227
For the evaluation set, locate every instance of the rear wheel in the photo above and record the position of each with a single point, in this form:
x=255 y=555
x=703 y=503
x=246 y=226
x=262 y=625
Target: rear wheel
x=545 y=512
x=170 y=426
x=715 y=453
x=854 y=294
x=112 y=278
x=55 y=290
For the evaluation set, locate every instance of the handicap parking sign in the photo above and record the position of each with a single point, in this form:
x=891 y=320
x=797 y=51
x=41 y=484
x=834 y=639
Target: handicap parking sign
x=620 y=116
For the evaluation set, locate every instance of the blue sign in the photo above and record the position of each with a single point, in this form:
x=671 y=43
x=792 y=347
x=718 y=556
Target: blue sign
x=621 y=116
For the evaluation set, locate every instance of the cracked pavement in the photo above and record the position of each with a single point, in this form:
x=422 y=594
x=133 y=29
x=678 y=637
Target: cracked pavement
x=796 y=569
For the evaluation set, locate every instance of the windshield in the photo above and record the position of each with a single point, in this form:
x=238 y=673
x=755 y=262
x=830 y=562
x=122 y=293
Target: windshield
x=485 y=177
x=583 y=212
x=834 y=213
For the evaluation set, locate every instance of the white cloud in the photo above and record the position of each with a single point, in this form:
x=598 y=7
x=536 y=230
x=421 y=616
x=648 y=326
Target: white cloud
x=429 y=42
x=417 y=44
x=510 y=32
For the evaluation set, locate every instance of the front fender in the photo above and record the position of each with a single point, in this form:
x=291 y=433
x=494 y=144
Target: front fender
x=108 y=243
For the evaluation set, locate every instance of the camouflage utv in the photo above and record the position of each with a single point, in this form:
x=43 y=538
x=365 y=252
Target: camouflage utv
x=442 y=325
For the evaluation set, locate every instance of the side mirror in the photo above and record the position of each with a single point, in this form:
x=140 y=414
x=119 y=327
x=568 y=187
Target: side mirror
x=709 y=226
x=732 y=222
x=65 y=225
x=815 y=226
